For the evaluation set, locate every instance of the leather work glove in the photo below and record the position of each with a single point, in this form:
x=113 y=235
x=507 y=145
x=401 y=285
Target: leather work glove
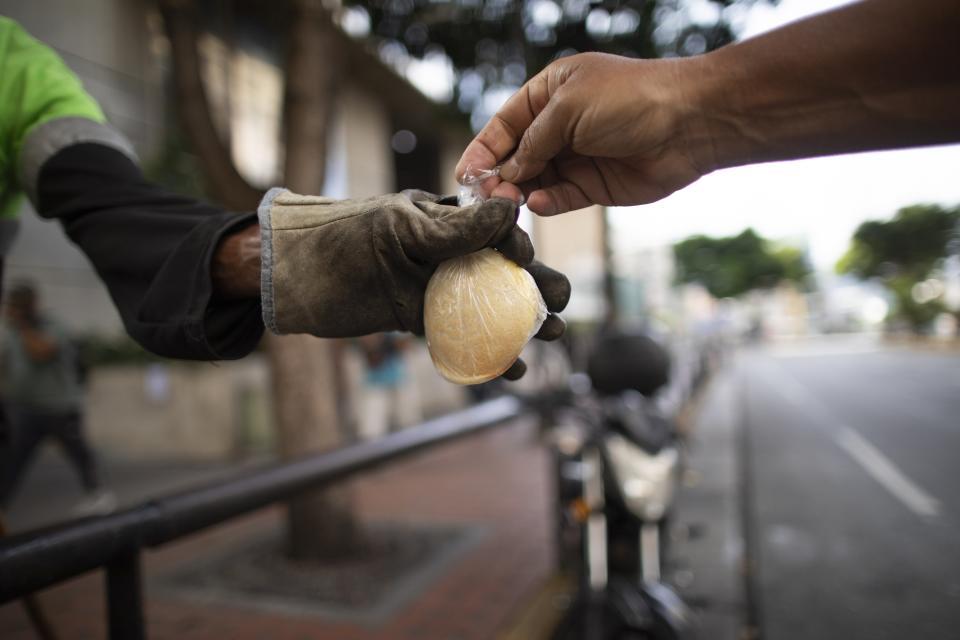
x=340 y=268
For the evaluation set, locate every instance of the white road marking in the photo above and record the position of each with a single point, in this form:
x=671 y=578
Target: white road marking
x=887 y=474
x=821 y=351
x=871 y=459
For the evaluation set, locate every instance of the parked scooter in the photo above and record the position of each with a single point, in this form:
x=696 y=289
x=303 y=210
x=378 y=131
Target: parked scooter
x=618 y=463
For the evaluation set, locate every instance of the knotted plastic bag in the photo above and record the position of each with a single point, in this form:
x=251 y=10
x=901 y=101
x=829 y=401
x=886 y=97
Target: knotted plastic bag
x=480 y=309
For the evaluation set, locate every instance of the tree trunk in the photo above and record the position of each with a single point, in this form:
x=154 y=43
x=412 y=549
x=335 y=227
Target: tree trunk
x=303 y=369
x=305 y=375
x=224 y=182
x=320 y=524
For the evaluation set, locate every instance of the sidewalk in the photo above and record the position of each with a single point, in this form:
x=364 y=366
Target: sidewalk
x=495 y=484
x=707 y=553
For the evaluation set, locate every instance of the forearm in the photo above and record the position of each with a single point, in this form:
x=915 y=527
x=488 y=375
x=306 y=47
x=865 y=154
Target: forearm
x=156 y=252
x=878 y=74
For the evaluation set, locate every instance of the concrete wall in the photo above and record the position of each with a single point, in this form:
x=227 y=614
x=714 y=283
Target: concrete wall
x=221 y=412
x=573 y=243
x=181 y=411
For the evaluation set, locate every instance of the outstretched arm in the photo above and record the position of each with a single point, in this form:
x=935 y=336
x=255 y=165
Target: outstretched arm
x=598 y=129
x=878 y=74
x=156 y=252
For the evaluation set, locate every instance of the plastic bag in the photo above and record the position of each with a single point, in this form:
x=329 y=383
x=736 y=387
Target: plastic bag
x=480 y=309
x=470 y=189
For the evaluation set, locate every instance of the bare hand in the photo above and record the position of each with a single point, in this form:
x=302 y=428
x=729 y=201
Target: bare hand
x=593 y=129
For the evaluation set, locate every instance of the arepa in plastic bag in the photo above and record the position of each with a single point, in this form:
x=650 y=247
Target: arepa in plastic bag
x=479 y=312
x=480 y=309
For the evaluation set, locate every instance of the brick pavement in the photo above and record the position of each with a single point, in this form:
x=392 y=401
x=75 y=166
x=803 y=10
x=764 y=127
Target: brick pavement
x=498 y=480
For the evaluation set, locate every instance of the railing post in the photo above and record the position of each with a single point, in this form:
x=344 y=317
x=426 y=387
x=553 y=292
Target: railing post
x=124 y=598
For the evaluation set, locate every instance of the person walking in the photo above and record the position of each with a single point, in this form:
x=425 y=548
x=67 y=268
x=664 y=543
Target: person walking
x=44 y=400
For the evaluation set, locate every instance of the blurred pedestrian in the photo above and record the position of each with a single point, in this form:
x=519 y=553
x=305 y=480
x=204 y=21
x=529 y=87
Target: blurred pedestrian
x=41 y=384
x=389 y=400
x=603 y=129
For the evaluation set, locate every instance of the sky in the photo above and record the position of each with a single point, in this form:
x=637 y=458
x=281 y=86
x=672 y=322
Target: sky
x=815 y=203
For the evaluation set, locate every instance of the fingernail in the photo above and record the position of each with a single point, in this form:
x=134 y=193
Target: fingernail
x=509 y=171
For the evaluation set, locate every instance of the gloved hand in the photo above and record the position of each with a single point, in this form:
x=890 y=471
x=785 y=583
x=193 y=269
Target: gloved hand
x=339 y=268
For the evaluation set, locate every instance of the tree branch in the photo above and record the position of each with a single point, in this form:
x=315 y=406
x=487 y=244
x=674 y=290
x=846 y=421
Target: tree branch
x=224 y=181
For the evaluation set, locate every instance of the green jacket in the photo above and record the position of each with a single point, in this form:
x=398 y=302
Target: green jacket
x=43 y=108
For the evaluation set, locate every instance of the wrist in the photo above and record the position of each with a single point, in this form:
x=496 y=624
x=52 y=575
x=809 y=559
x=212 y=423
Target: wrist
x=702 y=128
x=741 y=107
x=236 y=265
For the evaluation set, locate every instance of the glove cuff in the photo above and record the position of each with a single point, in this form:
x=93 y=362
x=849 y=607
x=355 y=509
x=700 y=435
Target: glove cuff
x=317 y=275
x=266 y=259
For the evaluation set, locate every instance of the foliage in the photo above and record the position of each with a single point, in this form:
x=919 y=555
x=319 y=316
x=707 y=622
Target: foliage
x=902 y=252
x=493 y=47
x=729 y=267
x=909 y=245
x=919 y=314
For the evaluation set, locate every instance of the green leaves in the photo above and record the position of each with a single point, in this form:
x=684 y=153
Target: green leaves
x=910 y=244
x=497 y=45
x=729 y=267
x=902 y=252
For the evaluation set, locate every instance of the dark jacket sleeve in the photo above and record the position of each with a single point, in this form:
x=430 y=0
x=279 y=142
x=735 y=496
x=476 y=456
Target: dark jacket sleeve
x=153 y=249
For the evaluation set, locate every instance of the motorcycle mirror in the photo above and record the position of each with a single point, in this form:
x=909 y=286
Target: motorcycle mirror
x=622 y=361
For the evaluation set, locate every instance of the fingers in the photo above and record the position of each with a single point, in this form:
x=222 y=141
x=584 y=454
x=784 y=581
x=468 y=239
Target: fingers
x=446 y=232
x=506 y=128
x=482 y=152
x=552 y=328
x=553 y=285
x=494 y=187
x=508 y=190
x=516 y=370
x=546 y=136
x=517 y=246
x=503 y=132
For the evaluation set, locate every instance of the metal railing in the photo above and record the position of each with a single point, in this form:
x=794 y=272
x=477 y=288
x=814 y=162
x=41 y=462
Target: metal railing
x=39 y=559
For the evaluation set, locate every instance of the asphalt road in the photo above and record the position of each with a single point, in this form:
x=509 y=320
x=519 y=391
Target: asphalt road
x=853 y=457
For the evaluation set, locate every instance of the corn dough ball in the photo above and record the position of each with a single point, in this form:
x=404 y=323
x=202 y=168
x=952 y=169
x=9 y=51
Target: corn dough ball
x=479 y=311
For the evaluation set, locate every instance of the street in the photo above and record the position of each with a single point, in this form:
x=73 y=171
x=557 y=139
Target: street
x=852 y=454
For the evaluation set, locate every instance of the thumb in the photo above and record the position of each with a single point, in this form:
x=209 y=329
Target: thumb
x=446 y=232
x=558 y=198
x=541 y=142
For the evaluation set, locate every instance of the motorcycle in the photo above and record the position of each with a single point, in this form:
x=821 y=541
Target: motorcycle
x=617 y=467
